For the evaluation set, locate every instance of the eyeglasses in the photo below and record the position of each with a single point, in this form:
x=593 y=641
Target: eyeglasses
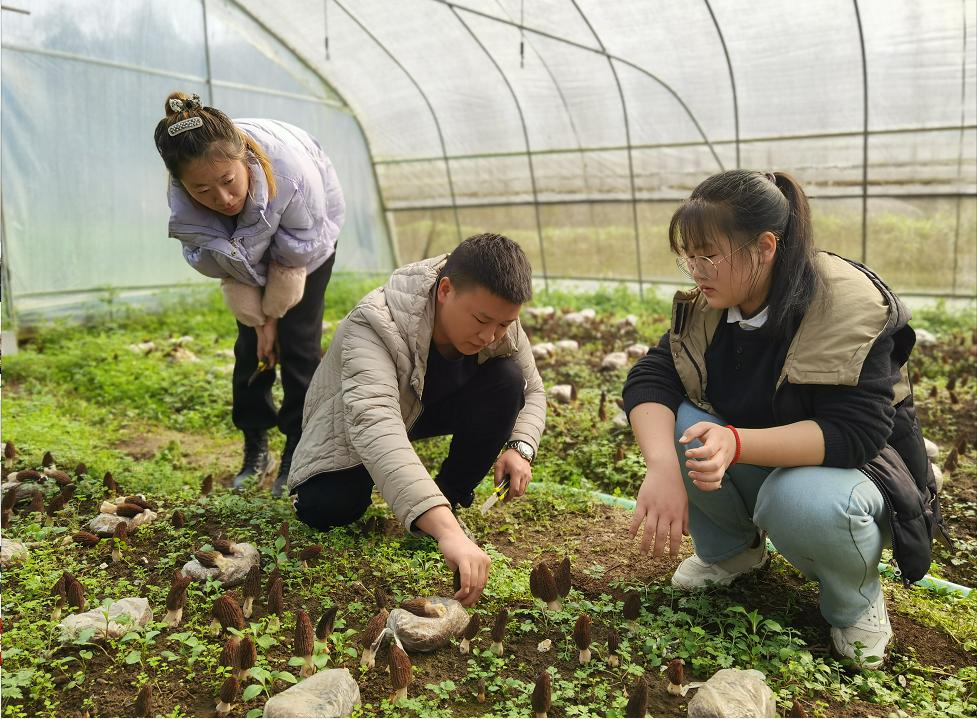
x=702 y=265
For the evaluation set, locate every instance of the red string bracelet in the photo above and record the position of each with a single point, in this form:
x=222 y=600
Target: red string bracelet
x=739 y=445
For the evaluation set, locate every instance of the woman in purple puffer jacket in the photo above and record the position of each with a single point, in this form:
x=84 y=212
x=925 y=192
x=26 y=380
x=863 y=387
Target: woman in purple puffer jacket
x=257 y=204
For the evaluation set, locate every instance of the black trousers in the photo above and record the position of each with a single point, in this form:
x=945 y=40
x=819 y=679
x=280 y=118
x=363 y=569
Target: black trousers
x=479 y=416
x=300 y=350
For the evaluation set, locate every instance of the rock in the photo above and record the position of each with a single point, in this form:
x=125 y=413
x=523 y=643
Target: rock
x=938 y=474
x=142 y=347
x=543 y=350
x=562 y=393
x=234 y=570
x=581 y=317
x=12 y=551
x=925 y=338
x=614 y=361
x=182 y=340
x=136 y=608
x=179 y=353
x=425 y=634
x=225 y=353
x=540 y=312
x=544 y=646
x=734 y=693
x=620 y=419
x=26 y=489
x=104 y=524
x=932 y=448
x=568 y=345
x=327 y=693
x=638 y=349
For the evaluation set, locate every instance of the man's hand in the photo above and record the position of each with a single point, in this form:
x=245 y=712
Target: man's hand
x=472 y=564
x=267 y=337
x=459 y=552
x=519 y=470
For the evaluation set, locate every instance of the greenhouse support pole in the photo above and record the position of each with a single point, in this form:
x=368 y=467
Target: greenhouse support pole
x=861 y=44
x=525 y=135
x=210 y=76
x=963 y=122
x=732 y=81
x=627 y=140
x=430 y=107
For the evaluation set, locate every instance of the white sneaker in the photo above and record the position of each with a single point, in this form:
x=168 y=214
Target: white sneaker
x=872 y=632
x=694 y=573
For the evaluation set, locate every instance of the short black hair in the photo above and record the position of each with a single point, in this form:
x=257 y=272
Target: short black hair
x=494 y=262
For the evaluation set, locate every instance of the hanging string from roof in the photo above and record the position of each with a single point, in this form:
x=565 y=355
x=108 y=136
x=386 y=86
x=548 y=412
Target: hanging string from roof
x=325 y=22
x=522 y=34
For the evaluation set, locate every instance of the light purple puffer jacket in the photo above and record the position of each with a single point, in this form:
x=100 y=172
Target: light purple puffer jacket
x=298 y=227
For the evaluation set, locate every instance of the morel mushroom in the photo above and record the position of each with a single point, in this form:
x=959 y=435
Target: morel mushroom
x=126 y=509
x=675 y=671
x=581 y=637
x=230 y=655
x=251 y=589
x=81 y=469
x=562 y=577
x=75 y=592
x=371 y=636
x=56 y=504
x=401 y=673
x=324 y=627
x=206 y=485
x=144 y=701
x=276 y=604
x=140 y=502
x=228 y=694
x=226 y=613
x=37 y=503
x=309 y=555
x=177 y=519
x=637 y=705
x=542 y=694
x=68 y=492
x=304 y=642
x=119 y=535
x=62 y=478
x=47 y=460
x=211 y=559
x=86 y=539
x=9 y=451
x=542 y=585
x=60 y=597
x=796 y=710
x=109 y=482
x=382 y=598
x=225 y=547
x=247 y=657
x=474 y=624
x=9 y=499
x=498 y=632
x=25 y=475
x=481 y=691
x=285 y=532
x=421 y=607
x=602 y=408
x=176 y=599
x=632 y=609
x=613 y=643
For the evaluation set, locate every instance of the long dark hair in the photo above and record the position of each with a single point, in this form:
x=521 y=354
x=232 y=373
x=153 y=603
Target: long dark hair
x=742 y=205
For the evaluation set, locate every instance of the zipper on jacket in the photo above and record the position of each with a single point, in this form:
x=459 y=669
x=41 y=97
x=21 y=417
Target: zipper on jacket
x=893 y=516
x=695 y=365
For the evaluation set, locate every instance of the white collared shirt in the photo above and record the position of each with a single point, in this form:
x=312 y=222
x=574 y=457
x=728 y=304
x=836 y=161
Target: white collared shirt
x=753 y=323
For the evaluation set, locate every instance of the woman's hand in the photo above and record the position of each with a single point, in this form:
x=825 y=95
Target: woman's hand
x=663 y=506
x=267 y=338
x=707 y=464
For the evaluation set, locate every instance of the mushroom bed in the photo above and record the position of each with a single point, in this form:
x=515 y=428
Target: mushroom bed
x=145 y=397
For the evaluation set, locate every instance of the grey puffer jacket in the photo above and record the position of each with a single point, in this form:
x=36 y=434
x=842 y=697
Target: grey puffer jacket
x=298 y=227
x=366 y=393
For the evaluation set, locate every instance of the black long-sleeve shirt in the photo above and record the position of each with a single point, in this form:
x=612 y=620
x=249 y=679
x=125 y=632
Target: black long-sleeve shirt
x=742 y=367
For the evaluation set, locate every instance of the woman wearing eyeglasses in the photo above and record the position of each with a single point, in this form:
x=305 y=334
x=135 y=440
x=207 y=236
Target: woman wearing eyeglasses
x=778 y=405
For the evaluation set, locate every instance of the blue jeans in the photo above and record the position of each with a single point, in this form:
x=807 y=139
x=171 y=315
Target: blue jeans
x=830 y=523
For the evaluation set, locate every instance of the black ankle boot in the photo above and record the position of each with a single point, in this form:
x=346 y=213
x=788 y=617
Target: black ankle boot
x=256 y=457
x=291 y=441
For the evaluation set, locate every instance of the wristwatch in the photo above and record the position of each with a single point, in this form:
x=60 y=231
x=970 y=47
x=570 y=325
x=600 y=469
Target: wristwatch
x=524 y=449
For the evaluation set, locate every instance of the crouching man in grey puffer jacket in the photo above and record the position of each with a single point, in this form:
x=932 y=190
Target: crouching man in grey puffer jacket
x=438 y=350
